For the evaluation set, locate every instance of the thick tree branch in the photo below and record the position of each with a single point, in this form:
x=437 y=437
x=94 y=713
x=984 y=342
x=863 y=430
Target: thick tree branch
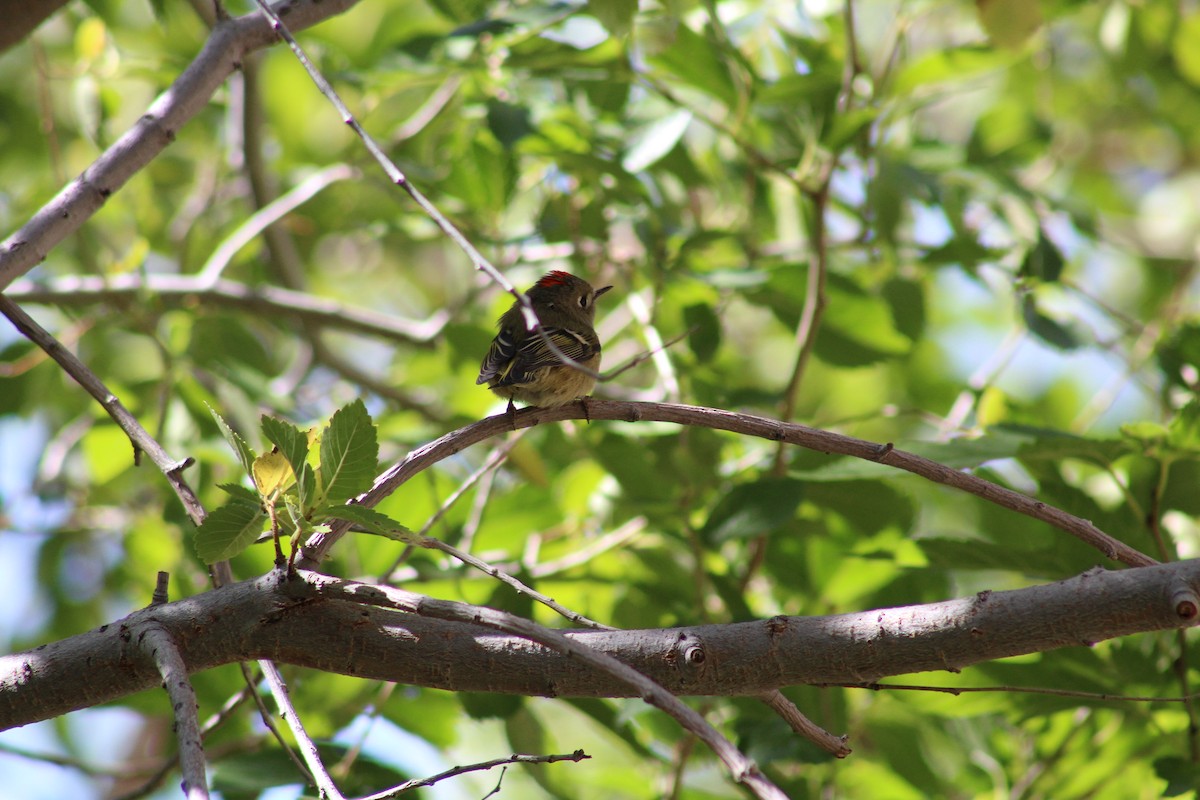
x=258 y=619
x=20 y=19
x=228 y=44
x=790 y=433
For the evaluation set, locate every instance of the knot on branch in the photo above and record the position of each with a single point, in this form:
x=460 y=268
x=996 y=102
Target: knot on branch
x=689 y=656
x=1186 y=604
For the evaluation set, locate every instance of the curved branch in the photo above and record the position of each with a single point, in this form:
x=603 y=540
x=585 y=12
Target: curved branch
x=228 y=44
x=747 y=424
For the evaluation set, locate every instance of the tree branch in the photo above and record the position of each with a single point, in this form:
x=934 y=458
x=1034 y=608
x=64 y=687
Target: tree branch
x=183 y=290
x=315 y=550
x=228 y=44
x=258 y=619
x=160 y=646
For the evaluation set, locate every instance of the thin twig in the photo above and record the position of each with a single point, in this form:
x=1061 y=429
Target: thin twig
x=875 y=686
x=268 y=720
x=666 y=371
x=494 y=459
x=185 y=290
x=416 y=783
x=607 y=542
x=804 y=726
x=308 y=748
x=397 y=177
x=502 y=576
x=272 y=212
x=141 y=440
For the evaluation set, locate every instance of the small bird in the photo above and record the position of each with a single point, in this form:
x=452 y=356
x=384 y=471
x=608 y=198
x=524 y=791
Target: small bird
x=519 y=365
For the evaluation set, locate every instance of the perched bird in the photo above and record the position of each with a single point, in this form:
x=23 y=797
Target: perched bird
x=519 y=365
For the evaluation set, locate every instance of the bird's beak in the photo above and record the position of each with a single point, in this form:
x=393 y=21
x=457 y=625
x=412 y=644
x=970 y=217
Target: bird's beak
x=601 y=291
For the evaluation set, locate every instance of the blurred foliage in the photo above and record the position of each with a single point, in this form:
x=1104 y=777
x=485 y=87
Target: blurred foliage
x=1001 y=197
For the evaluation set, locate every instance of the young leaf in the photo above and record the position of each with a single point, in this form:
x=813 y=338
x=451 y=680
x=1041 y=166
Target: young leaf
x=272 y=473
x=291 y=441
x=237 y=443
x=228 y=531
x=349 y=453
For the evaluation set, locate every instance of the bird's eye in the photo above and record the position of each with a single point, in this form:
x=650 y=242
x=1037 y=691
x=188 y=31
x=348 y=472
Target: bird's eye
x=583 y=301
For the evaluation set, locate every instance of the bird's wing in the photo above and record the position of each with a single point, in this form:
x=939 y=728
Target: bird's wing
x=517 y=367
x=499 y=357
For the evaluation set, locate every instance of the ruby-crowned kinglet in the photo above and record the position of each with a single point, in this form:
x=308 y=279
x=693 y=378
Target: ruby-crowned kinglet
x=519 y=365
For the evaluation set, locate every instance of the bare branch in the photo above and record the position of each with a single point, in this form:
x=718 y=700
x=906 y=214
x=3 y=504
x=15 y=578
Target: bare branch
x=308 y=748
x=223 y=52
x=272 y=212
x=816 y=439
x=160 y=646
x=577 y=756
x=260 y=618
x=182 y=290
x=805 y=726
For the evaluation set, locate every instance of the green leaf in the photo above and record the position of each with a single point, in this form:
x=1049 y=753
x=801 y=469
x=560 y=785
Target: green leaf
x=949 y=65
x=1186 y=48
x=349 y=453
x=753 y=509
x=906 y=299
x=696 y=60
x=1046 y=329
x=1184 y=430
x=615 y=15
x=240 y=493
x=1181 y=775
x=486 y=705
x=649 y=144
x=1009 y=23
x=371 y=521
x=228 y=531
x=847 y=126
x=706 y=337
x=236 y=443
x=509 y=123
x=858 y=328
x=1042 y=261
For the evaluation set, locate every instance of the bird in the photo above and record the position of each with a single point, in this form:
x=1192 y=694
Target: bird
x=519 y=366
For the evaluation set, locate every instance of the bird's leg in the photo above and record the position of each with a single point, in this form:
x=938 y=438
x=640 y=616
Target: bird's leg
x=512 y=414
x=587 y=411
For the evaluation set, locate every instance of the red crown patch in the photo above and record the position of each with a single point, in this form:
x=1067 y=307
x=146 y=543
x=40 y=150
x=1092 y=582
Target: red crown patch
x=555 y=278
